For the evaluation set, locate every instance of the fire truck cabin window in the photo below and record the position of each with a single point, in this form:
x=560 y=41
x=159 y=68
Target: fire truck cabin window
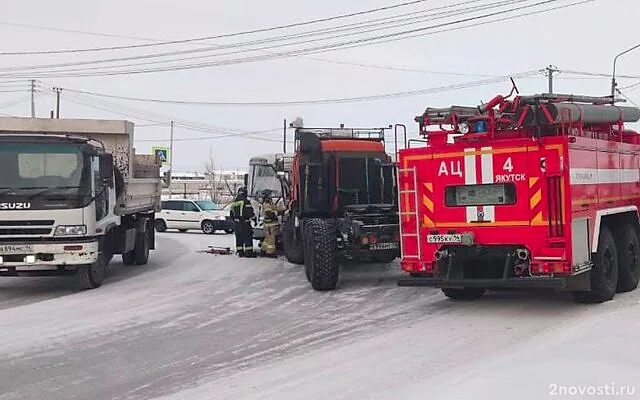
x=491 y=194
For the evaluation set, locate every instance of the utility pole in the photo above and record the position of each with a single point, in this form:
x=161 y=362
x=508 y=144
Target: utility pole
x=33 y=98
x=613 y=74
x=170 y=156
x=57 y=91
x=550 y=69
x=284 y=137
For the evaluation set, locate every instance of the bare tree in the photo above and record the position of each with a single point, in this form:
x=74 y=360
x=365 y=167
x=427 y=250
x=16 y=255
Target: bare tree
x=213 y=178
x=298 y=123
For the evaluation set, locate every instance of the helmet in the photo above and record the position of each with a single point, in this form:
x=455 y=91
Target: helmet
x=266 y=194
x=242 y=192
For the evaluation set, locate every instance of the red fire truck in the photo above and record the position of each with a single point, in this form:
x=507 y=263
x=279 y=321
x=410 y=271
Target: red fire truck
x=538 y=191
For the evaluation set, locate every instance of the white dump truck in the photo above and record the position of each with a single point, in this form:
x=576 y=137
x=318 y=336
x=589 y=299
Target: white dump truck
x=73 y=193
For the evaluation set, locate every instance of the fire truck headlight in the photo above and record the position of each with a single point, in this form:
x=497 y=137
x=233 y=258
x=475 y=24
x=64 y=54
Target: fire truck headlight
x=463 y=128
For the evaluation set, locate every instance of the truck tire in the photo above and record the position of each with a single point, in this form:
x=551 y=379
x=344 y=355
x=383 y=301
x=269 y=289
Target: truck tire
x=604 y=273
x=464 y=294
x=92 y=275
x=160 y=225
x=129 y=258
x=628 y=247
x=107 y=247
x=141 y=252
x=320 y=254
x=293 y=249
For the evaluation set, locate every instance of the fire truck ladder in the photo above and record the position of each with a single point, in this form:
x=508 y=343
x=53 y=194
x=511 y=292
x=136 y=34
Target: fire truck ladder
x=404 y=194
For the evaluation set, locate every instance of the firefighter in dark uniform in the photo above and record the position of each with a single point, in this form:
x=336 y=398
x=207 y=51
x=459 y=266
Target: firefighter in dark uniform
x=242 y=213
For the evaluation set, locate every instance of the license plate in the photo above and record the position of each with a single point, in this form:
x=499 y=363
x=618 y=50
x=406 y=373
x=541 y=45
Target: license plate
x=448 y=238
x=16 y=249
x=383 y=246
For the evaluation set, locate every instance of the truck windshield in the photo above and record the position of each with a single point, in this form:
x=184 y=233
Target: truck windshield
x=364 y=179
x=36 y=167
x=263 y=177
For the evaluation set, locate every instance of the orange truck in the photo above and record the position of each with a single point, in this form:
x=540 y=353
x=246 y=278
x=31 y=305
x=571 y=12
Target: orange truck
x=343 y=205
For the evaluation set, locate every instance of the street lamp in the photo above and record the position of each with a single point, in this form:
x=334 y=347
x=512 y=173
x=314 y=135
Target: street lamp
x=613 y=75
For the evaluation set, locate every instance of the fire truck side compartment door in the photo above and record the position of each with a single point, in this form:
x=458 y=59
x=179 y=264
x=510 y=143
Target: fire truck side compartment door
x=552 y=163
x=581 y=254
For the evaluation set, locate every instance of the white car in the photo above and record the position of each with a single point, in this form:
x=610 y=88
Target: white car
x=185 y=215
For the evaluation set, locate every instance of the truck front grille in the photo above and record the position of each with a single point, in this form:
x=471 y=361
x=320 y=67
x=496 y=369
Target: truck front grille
x=26 y=227
x=43 y=222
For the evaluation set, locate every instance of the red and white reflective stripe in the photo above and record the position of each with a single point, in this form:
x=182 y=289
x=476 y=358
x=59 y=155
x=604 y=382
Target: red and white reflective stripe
x=594 y=176
x=486 y=163
x=484 y=175
x=470 y=179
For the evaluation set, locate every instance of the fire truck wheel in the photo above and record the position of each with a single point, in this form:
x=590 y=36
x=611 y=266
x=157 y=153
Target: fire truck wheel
x=628 y=260
x=604 y=273
x=463 y=294
x=293 y=249
x=320 y=254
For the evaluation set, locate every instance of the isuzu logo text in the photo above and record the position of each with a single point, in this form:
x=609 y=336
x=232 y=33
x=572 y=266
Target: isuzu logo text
x=15 y=206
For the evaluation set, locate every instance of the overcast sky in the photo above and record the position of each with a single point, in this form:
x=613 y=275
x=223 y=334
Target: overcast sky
x=583 y=38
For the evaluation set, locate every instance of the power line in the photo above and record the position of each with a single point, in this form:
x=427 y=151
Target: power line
x=337 y=46
x=319 y=32
x=189 y=125
x=596 y=74
x=324 y=60
x=222 y=36
x=627 y=98
x=631 y=87
x=464 y=85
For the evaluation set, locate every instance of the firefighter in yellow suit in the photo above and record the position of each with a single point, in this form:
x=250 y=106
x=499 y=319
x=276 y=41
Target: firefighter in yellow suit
x=270 y=212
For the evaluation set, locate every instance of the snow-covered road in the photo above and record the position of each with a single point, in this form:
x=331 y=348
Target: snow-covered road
x=199 y=326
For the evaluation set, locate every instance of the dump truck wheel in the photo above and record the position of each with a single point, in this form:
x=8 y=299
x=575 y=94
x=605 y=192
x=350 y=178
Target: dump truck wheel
x=92 y=275
x=141 y=252
x=604 y=273
x=160 y=225
x=129 y=258
x=464 y=294
x=628 y=247
x=293 y=249
x=320 y=254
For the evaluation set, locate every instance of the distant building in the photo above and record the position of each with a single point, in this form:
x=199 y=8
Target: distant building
x=220 y=186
